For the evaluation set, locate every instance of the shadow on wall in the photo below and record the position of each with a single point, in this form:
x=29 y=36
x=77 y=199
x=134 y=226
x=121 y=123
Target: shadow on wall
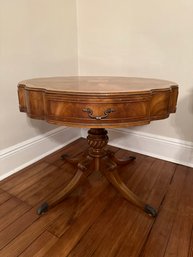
x=183 y=124
x=40 y=126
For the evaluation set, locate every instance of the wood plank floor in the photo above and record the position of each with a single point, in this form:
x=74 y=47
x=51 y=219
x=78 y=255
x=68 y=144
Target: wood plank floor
x=95 y=220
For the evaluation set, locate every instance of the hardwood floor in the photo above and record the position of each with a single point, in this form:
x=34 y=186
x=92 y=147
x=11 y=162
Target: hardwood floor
x=95 y=220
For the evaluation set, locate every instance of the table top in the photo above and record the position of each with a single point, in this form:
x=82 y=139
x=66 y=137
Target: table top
x=97 y=101
x=97 y=84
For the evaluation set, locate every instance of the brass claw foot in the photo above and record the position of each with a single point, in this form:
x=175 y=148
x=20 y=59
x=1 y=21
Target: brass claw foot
x=42 y=208
x=150 y=210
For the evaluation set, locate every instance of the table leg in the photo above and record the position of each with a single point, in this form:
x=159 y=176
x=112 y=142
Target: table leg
x=120 y=162
x=81 y=173
x=73 y=161
x=105 y=162
x=114 y=178
x=61 y=195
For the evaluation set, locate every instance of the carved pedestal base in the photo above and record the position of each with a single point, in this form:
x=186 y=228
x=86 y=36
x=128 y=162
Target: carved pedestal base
x=104 y=162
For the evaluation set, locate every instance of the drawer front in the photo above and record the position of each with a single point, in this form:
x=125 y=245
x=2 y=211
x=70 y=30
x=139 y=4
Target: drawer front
x=97 y=113
x=100 y=111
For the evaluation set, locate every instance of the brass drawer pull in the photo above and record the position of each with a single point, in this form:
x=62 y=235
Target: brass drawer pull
x=90 y=113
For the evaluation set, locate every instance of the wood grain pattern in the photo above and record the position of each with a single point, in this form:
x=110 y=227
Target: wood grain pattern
x=95 y=220
x=98 y=103
x=171 y=233
x=14 y=229
x=134 y=101
x=4 y=196
x=98 y=84
x=40 y=246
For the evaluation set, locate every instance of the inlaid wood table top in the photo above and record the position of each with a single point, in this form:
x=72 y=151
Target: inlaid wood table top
x=97 y=102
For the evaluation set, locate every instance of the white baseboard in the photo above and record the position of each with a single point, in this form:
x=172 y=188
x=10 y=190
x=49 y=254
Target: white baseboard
x=17 y=157
x=169 y=149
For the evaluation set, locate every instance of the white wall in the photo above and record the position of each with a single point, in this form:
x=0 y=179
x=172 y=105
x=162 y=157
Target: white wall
x=146 y=39
x=126 y=38
x=37 y=38
x=121 y=38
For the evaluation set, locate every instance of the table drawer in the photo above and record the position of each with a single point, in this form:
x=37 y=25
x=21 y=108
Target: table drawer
x=83 y=110
x=97 y=113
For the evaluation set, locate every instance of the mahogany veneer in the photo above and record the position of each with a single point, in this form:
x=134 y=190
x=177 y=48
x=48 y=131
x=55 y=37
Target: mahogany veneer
x=98 y=103
x=133 y=101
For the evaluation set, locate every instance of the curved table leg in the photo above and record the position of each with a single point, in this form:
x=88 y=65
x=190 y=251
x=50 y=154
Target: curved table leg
x=114 y=178
x=61 y=195
x=82 y=172
x=120 y=162
x=73 y=161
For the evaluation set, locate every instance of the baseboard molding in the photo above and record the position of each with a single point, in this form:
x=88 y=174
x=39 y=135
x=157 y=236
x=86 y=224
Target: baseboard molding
x=169 y=149
x=19 y=156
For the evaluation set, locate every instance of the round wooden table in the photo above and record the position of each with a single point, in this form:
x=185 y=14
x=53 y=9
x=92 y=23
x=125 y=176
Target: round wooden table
x=98 y=103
